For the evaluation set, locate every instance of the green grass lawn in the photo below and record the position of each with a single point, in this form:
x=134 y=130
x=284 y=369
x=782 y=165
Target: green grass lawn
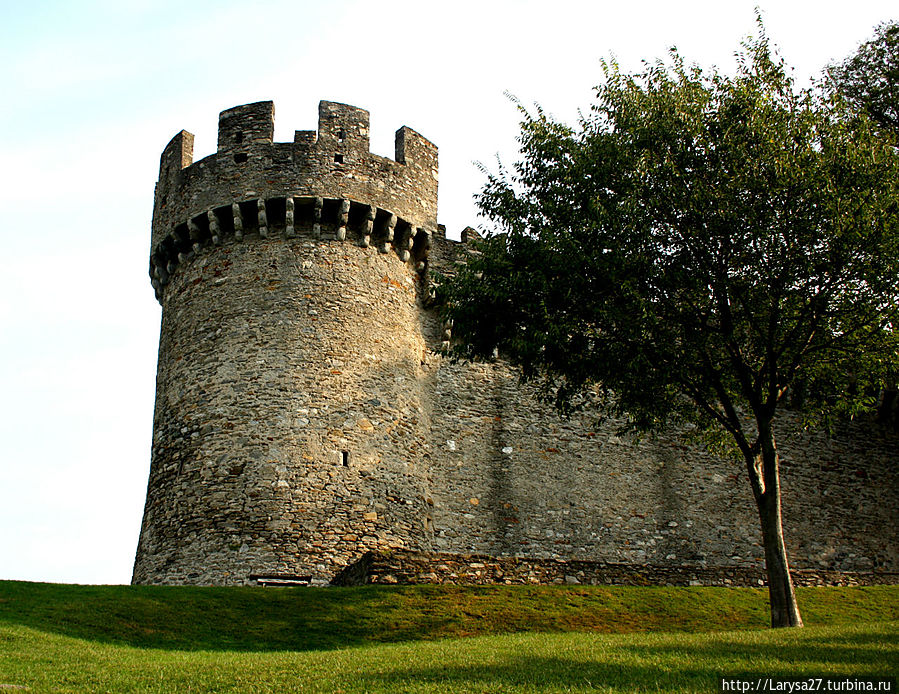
x=56 y=638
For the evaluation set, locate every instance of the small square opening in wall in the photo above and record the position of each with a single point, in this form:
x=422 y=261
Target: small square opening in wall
x=240 y=157
x=345 y=458
x=338 y=159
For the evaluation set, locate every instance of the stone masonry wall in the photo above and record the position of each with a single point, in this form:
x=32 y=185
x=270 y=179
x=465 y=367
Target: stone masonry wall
x=288 y=428
x=509 y=477
x=406 y=567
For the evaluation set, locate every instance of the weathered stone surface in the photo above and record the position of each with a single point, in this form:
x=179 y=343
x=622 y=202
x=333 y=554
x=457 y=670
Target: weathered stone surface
x=305 y=416
x=333 y=162
x=406 y=567
x=571 y=488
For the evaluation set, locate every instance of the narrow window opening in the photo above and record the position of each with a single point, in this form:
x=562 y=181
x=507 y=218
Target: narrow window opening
x=241 y=157
x=341 y=135
x=338 y=159
x=238 y=137
x=345 y=457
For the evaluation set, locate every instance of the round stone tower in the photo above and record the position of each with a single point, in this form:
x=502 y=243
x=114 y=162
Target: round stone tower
x=289 y=425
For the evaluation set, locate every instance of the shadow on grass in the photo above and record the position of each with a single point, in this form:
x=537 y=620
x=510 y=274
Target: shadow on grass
x=530 y=674
x=218 y=619
x=694 y=665
x=807 y=652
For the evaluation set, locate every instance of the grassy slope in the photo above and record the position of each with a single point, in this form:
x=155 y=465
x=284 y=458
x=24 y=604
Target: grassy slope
x=102 y=638
x=191 y=618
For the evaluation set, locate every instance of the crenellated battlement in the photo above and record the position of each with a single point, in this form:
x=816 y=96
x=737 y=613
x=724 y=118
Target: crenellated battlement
x=327 y=179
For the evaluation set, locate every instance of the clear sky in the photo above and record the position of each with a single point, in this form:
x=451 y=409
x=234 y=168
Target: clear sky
x=93 y=90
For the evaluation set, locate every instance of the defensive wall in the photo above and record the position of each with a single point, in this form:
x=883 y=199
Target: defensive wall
x=306 y=417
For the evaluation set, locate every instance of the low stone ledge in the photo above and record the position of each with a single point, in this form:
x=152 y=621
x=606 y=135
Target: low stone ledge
x=280 y=580
x=409 y=568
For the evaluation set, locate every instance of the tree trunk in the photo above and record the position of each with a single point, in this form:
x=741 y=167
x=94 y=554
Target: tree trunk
x=764 y=472
x=887 y=406
x=784 y=610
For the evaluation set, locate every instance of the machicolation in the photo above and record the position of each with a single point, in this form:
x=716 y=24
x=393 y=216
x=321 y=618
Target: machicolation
x=307 y=427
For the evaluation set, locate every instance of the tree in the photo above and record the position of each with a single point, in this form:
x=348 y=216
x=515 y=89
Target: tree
x=869 y=79
x=695 y=247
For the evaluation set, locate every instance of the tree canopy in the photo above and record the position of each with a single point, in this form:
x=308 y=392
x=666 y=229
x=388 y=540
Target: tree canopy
x=869 y=78
x=695 y=248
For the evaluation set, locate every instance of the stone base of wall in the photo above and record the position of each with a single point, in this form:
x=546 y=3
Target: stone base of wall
x=406 y=567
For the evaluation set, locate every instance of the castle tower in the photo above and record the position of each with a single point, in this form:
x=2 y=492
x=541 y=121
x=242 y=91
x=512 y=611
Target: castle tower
x=289 y=427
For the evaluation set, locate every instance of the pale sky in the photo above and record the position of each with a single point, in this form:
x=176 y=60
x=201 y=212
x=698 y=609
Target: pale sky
x=93 y=91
